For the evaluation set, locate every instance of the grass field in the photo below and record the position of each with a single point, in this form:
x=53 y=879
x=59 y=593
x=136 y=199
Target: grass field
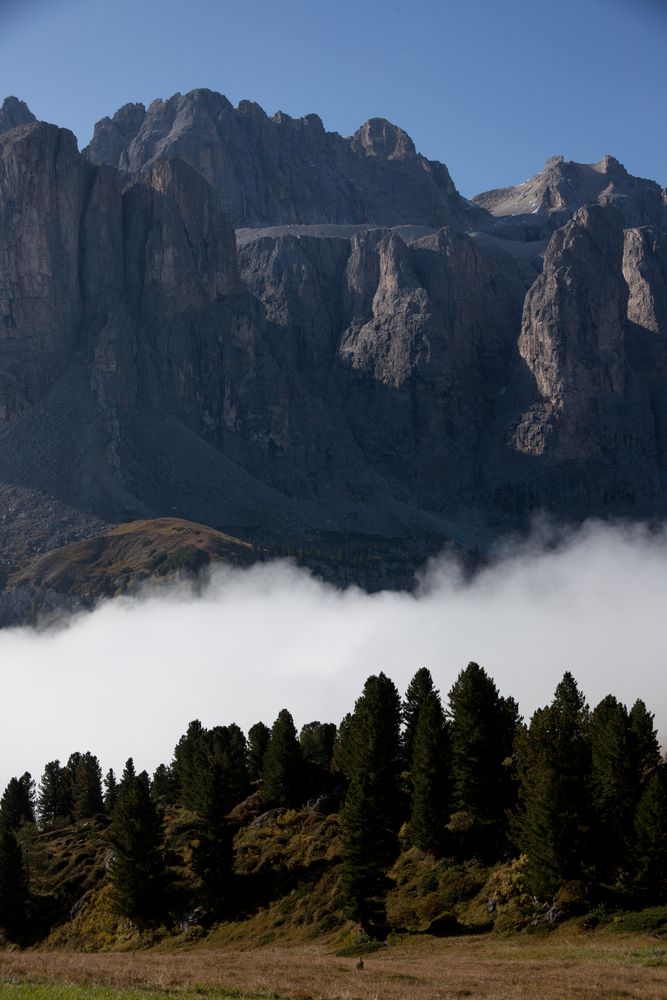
x=51 y=991
x=560 y=966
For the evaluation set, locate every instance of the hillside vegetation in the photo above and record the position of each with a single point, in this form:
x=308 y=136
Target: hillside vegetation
x=408 y=819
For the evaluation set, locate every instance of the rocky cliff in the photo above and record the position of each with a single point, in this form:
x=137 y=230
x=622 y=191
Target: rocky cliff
x=377 y=369
x=277 y=170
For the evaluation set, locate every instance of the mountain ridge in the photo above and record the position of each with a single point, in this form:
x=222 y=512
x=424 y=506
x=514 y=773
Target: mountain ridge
x=314 y=384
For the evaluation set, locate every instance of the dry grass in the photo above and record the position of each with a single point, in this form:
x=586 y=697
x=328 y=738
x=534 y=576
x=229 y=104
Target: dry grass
x=557 y=967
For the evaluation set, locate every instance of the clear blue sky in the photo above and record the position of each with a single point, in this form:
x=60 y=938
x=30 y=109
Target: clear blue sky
x=491 y=88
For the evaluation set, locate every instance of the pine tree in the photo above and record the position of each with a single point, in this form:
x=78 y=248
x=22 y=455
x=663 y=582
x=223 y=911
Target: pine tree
x=164 y=787
x=282 y=774
x=259 y=736
x=189 y=764
x=17 y=805
x=644 y=745
x=54 y=800
x=226 y=747
x=553 y=760
x=13 y=884
x=430 y=777
x=126 y=778
x=85 y=777
x=213 y=850
x=420 y=687
x=483 y=728
x=110 y=792
x=137 y=869
x=370 y=814
x=317 y=741
x=342 y=761
x=613 y=784
x=650 y=835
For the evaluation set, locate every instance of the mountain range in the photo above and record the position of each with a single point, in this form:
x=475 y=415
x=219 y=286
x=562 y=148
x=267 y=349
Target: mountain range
x=314 y=344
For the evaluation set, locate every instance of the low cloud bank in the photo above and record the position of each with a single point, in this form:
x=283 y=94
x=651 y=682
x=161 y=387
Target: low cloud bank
x=126 y=679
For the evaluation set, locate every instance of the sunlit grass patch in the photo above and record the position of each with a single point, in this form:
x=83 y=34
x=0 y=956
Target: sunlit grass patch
x=53 y=991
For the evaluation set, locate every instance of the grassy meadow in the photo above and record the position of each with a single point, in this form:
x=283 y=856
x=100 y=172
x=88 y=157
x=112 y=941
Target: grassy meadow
x=566 y=964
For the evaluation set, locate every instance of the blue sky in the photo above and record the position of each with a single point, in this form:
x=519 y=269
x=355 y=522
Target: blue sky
x=491 y=88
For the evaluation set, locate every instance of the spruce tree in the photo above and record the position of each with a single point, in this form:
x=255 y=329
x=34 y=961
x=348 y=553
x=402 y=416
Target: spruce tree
x=54 y=799
x=650 y=835
x=213 y=850
x=17 y=805
x=282 y=774
x=259 y=736
x=613 y=784
x=226 y=747
x=110 y=792
x=483 y=728
x=137 y=869
x=13 y=884
x=189 y=764
x=342 y=761
x=126 y=778
x=430 y=777
x=420 y=687
x=317 y=741
x=164 y=787
x=370 y=814
x=85 y=777
x=644 y=745
x=553 y=762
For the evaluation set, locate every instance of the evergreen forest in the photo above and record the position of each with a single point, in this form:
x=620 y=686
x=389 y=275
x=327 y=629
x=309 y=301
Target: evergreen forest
x=413 y=814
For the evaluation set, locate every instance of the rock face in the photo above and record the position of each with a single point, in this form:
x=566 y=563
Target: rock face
x=14 y=113
x=563 y=187
x=367 y=376
x=272 y=171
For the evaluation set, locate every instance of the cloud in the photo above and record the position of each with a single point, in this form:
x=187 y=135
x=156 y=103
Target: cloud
x=126 y=679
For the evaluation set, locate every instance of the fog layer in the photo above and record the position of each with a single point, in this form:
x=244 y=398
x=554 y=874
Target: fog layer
x=126 y=679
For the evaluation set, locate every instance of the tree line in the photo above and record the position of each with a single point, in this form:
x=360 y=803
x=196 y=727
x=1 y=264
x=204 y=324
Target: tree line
x=580 y=792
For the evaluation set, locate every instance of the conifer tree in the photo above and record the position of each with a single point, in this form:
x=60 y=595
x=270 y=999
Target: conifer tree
x=430 y=777
x=17 y=805
x=644 y=745
x=110 y=792
x=213 y=850
x=370 y=814
x=54 y=800
x=13 y=883
x=553 y=759
x=164 y=787
x=126 y=778
x=85 y=777
x=282 y=774
x=189 y=764
x=613 y=784
x=342 y=761
x=137 y=869
x=650 y=834
x=317 y=741
x=259 y=736
x=420 y=687
x=483 y=728
x=226 y=747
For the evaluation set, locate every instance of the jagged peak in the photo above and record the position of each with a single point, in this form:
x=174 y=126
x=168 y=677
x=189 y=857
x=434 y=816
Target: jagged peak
x=381 y=138
x=13 y=113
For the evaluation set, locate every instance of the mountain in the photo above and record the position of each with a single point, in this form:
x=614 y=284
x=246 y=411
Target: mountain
x=562 y=187
x=351 y=392
x=278 y=170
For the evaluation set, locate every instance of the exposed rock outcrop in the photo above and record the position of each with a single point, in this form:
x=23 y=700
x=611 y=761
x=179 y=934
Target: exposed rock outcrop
x=14 y=113
x=340 y=383
x=562 y=187
x=272 y=171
